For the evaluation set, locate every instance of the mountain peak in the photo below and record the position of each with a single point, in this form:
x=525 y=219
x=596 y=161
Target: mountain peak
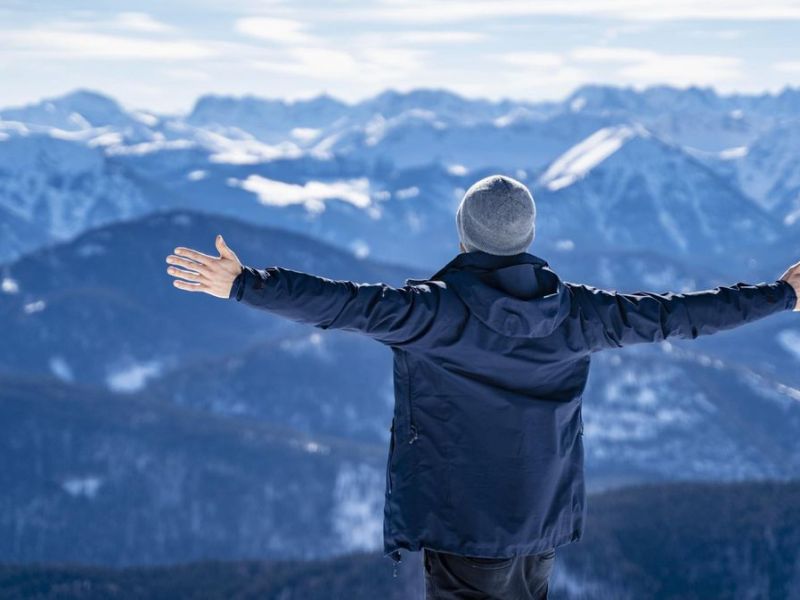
x=576 y=162
x=78 y=109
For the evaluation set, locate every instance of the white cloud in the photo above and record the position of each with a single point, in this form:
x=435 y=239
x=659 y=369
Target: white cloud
x=426 y=37
x=719 y=34
x=611 y=54
x=138 y=21
x=395 y=59
x=279 y=31
x=533 y=59
x=530 y=72
x=444 y=11
x=788 y=66
x=187 y=74
x=52 y=42
x=641 y=66
x=623 y=65
x=379 y=65
x=321 y=63
x=683 y=69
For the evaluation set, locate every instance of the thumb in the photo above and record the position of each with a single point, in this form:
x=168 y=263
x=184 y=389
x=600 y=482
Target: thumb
x=222 y=247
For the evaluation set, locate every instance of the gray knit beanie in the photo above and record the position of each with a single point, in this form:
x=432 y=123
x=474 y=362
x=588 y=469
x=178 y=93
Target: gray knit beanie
x=497 y=215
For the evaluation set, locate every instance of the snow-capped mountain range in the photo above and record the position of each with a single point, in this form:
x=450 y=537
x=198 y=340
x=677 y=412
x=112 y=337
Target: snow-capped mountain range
x=695 y=173
x=660 y=189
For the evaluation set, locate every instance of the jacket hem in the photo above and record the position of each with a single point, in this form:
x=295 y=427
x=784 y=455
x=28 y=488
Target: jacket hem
x=487 y=550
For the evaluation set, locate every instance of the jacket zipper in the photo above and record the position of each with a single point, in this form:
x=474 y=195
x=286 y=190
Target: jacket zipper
x=389 y=462
x=412 y=428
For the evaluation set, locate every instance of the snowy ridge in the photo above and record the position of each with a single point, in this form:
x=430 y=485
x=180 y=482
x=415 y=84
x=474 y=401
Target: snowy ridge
x=576 y=162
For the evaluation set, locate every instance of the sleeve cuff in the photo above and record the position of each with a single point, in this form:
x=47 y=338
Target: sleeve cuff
x=789 y=294
x=237 y=288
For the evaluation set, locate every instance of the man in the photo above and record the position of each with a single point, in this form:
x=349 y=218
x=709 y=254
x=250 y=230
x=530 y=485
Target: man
x=491 y=357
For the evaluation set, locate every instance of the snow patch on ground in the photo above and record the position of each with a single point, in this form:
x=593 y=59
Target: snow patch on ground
x=145 y=118
x=360 y=248
x=405 y=193
x=791 y=217
x=60 y=368
x=309 y=446
x=673 y=229
x=246 y=152
x=565 y=245
x=110 y=138
x=576 y=162
x=86 y=487
x=305 y=134
x=516 y=115
x=90 y=249
x=150 y=147
x=34 y=307
x=733 y=153
x=312 y=194
x=789 y=340
x=457 y=170
x=358 y=507
x=9 y=285
x=633 y=410
x=181 y=220
x=133 y=376
x=577 y=585
x=577 y=104
x=313 y=343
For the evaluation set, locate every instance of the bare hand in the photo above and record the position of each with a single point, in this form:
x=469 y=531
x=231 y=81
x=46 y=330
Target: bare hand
x=203 y=273
x=792 y=276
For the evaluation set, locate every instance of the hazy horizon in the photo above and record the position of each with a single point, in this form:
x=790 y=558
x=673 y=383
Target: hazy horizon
x=164 y=54
x=441 y=89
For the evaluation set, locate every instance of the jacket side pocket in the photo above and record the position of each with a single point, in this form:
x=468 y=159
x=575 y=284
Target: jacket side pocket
x=389 y=482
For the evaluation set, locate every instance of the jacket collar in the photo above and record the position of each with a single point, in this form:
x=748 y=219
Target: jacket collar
x=480 y=260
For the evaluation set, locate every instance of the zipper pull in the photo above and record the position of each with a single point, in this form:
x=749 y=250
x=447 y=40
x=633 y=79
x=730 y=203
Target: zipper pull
x=414 y=435
x=396 y=558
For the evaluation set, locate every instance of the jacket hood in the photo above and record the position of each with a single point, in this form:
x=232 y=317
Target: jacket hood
x=516 y=295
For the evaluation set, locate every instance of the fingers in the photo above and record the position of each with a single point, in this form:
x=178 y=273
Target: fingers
x=190 y=275
x=222 y=247
x=185 y=262
x=203 y=259
x=189 y=286
x=193 y=271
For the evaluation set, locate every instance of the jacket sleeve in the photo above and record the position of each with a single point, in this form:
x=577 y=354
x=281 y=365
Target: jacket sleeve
x=612 y=320
x=388 y=314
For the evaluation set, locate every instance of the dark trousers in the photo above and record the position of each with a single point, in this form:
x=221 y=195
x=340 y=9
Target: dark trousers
x=454 y=577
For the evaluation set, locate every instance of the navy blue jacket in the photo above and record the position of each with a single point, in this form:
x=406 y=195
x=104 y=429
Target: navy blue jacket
x=491 y=357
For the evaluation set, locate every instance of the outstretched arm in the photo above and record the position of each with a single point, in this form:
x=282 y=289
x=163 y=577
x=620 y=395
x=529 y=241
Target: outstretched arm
x=612 y=320
x=388 y=314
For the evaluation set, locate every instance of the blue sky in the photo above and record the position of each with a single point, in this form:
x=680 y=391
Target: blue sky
x=162 y=55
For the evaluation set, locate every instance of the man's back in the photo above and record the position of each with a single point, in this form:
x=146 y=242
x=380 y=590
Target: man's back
x=487 y=457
